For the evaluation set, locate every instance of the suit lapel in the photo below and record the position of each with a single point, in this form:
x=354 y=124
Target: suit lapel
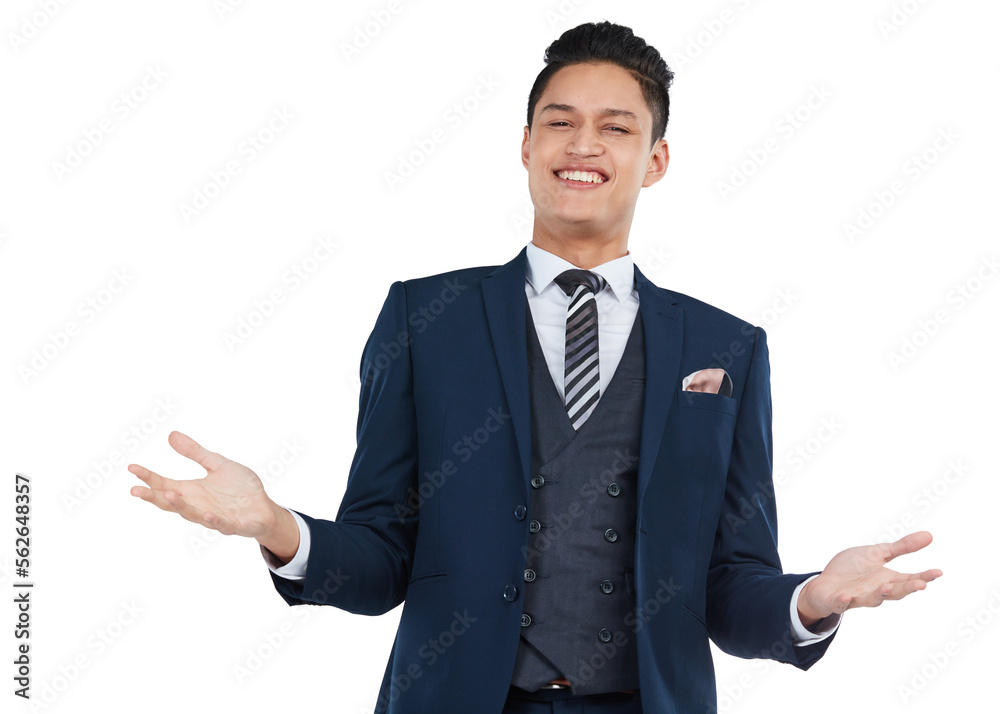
x=506 y=302
x=663 y=321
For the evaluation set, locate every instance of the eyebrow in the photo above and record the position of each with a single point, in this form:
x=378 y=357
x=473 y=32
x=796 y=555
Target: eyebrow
x=604 y=112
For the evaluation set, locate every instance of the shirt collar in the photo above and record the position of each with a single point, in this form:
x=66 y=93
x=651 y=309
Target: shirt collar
x=543 y=267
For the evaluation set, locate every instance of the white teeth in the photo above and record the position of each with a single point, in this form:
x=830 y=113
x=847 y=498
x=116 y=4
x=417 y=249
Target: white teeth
x=589 y=176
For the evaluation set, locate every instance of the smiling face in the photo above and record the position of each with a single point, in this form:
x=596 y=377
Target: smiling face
x=587 y=154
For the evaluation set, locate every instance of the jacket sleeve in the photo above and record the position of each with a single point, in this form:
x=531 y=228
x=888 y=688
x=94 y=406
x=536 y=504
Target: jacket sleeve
x=748 y=596
x=361 y=561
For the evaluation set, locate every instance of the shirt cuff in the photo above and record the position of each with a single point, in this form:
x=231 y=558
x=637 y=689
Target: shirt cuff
x=826 y=627
x=294 y=569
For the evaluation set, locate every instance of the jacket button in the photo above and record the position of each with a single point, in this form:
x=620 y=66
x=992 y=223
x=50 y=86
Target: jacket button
x=614 y=489
x=510 y=593
x=529 y=575
x=525 y=620
x=537 y=481
x=604 y=635
x=607 y=586
x=534 y=526
x=610 y=535
x=520 y=511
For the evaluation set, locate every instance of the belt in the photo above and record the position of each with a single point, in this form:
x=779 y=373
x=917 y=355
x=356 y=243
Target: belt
x=556 y=684
x=564 y=684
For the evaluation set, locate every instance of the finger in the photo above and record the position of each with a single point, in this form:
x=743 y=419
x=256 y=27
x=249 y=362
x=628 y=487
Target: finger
x=186 y=446
x=154 y=497
x=151 y=478
x=908 y=544
x=930 y=575
x=900 y=590
x=197 y=515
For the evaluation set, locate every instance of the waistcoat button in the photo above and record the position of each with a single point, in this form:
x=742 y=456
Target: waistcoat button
x=614 y=489
x=534 y=526
x=604 y=635
x=537 y=481
x=525 y=620
x=529 y=575
x=607 y=586
x=610 y=535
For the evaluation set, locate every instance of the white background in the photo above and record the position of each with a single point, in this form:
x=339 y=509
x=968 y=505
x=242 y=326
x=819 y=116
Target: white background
x=859 y=442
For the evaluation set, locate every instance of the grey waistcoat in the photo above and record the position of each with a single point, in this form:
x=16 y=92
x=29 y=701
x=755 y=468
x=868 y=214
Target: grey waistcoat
x=578 y=581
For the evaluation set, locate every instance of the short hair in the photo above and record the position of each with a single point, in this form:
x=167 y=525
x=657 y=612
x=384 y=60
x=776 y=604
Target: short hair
x=608 y=43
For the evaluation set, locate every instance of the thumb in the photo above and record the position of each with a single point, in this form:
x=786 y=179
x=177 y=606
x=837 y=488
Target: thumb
x=188 y=447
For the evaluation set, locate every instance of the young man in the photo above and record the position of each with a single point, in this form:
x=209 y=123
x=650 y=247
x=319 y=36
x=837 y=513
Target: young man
x=559 y=478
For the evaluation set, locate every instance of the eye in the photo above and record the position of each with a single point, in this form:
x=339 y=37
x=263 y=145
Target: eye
x=619 y=128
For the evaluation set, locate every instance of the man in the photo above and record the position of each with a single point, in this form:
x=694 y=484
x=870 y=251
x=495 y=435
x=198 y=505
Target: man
x=566 y=476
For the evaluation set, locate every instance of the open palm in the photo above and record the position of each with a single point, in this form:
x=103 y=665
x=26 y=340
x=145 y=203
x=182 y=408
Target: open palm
x=857 y=577
x=229 y=499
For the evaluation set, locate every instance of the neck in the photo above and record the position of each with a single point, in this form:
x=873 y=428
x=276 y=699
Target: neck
x=582 y=251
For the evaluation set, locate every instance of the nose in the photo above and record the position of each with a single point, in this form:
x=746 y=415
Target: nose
x=586 y=141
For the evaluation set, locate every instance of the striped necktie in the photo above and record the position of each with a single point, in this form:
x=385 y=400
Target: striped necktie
x=583 y=381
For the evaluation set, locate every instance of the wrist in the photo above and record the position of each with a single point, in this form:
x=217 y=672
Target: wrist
x=281 y=534
x=809 y=614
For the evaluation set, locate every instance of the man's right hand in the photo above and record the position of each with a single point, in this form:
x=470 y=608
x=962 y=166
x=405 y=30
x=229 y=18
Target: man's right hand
x=230 y=499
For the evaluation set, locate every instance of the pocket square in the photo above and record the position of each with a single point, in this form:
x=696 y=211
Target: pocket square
x=713 y=381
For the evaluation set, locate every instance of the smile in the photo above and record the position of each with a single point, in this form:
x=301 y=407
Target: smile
x=580 y=177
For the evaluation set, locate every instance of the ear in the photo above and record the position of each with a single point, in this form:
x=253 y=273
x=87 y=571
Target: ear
x=657 y=166
x=525 y=146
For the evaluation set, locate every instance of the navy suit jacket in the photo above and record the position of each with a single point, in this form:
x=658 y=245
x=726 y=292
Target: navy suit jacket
x=435 y=511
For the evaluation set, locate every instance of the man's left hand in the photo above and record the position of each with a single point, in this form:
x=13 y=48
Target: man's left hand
x=857 y=577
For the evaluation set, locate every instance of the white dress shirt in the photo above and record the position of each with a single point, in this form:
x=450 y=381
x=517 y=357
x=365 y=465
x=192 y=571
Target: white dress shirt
x=617 y=305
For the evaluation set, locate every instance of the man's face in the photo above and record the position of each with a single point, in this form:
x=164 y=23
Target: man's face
x=590 y=118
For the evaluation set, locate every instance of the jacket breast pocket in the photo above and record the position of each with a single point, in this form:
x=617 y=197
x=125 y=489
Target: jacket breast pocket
x=706 y=400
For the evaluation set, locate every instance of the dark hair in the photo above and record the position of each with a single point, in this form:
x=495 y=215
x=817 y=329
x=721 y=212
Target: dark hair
x=608 y=43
